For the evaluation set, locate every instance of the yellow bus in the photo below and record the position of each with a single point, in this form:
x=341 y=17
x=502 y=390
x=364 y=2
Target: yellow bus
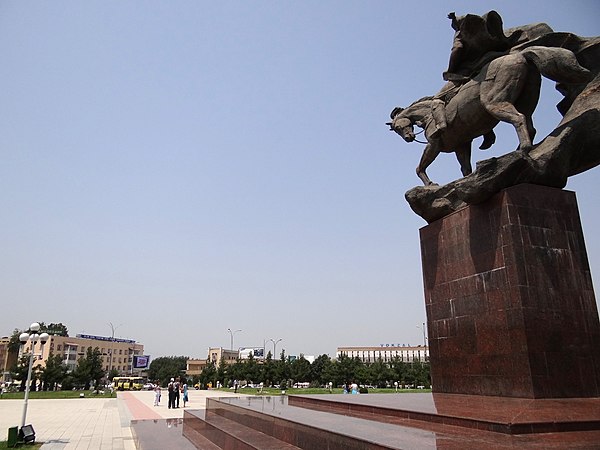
x=128 y=383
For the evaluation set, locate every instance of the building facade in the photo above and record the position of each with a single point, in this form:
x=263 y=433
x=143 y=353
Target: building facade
x=218 y=354
x=195 y=366
x=387 y=353
x=115 y=353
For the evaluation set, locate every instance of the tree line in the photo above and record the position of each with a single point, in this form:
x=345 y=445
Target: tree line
x=322 y=371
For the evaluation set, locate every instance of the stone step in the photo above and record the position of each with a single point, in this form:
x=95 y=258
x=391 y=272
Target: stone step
x=224 y=433
x=332 y=429
x=198 y=440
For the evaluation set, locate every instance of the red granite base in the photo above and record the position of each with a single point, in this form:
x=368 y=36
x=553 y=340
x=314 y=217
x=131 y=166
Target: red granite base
x=395 y=421
x=509 y=298
x=515 y=416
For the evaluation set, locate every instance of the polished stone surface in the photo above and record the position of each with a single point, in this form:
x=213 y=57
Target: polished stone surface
x=509 y=298
x=498 y=414
x=327 y=427
x=160 y=434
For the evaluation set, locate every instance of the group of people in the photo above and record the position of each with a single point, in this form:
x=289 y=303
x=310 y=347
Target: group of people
x=177 y=389
x=351 y=388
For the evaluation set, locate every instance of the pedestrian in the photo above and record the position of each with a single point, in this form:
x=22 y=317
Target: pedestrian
x=176 y=387
x=184 y=391
x=170 y=388
x=157 y=394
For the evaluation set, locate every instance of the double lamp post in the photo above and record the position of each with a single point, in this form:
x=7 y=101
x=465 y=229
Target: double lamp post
x=32 y=336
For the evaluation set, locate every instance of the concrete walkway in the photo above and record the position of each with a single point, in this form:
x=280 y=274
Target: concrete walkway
x=94 y=423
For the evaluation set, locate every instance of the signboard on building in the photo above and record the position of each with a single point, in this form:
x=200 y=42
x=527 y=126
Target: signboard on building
x=141 y=361
x=105 y=338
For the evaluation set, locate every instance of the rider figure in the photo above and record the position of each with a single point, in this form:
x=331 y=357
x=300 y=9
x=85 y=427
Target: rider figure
x=477 y=41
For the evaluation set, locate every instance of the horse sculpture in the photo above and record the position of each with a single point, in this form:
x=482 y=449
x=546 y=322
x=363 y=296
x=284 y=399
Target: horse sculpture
x=506 y=89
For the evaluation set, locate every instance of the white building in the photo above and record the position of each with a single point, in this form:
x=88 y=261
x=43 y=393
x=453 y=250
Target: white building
x=387 y=352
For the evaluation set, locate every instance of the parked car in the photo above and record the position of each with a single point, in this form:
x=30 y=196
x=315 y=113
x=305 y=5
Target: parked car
x=149 y=386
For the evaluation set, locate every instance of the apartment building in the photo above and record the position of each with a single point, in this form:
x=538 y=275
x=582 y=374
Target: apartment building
x=115 y=353
x=386 y=352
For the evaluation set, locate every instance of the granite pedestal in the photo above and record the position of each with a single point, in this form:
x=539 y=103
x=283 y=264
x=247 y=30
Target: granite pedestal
x=510 y=305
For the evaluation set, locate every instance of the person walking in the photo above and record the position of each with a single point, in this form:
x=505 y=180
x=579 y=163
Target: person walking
x=170 y=388
x=184 y=391
x=157 y=394
x=176 y=387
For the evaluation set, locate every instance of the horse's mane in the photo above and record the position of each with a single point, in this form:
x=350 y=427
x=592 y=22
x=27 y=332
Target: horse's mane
x=422 y=99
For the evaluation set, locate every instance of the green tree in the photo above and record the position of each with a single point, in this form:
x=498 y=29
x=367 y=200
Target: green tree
x=282 y=367
x=166 y=367
x=321 y=370
x=346 y=369
x=252 y=371
x=20 y=370
x=14 y=343
x=222 y=374
x=380 y=373
x=208 y=374
x=418 y=373
x=112 y=373
x=236 y=371
x=56 y=329
x=89 y=369
x=268 y=370
x=54 y=372
x=398 y=370
x=300 y=370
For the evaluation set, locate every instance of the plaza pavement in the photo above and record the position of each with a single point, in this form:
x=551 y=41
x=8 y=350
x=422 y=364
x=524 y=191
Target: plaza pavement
x=94 y=423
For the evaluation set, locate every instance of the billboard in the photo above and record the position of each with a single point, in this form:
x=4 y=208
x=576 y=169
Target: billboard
x=256 y=352
x=141 y=361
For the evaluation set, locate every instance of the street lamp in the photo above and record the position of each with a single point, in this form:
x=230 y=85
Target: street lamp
x=33 y=337
x=275 y=346
x=112 y=346
x=231 y=333
x=424 y=334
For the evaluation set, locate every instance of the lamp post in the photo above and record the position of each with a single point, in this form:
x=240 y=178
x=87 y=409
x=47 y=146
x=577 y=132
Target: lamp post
x=112 y=345
x=424 y=334
x=275 y=346
x=231 y=333
x=424 y=340
x=33 y=337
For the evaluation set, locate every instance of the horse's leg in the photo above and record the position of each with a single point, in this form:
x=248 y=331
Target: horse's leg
x=429 y=154
x=463 y=155
x=499 y=93
x=528 y=100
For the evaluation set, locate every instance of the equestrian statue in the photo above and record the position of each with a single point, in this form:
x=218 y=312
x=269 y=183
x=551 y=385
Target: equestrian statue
x=495 y=77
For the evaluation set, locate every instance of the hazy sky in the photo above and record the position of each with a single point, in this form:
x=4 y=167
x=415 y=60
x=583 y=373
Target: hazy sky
x=179 y=168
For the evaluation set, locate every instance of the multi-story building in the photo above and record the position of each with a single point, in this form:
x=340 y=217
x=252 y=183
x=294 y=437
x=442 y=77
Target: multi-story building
x=386 y=352
x=115 y=353
x=218 y=354
x=195 y=366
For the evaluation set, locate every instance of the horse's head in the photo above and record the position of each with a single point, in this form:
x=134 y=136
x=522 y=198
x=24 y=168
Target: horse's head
x=402 y=125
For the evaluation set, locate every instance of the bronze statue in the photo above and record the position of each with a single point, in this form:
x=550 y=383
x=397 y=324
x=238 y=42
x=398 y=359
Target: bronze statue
x=506 y=89
x=494 y=75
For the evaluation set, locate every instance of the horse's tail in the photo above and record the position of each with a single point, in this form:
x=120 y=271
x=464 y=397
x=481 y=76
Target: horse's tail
x=557 y=64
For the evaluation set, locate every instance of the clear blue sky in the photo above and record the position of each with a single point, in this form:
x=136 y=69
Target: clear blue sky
x=178 y=168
